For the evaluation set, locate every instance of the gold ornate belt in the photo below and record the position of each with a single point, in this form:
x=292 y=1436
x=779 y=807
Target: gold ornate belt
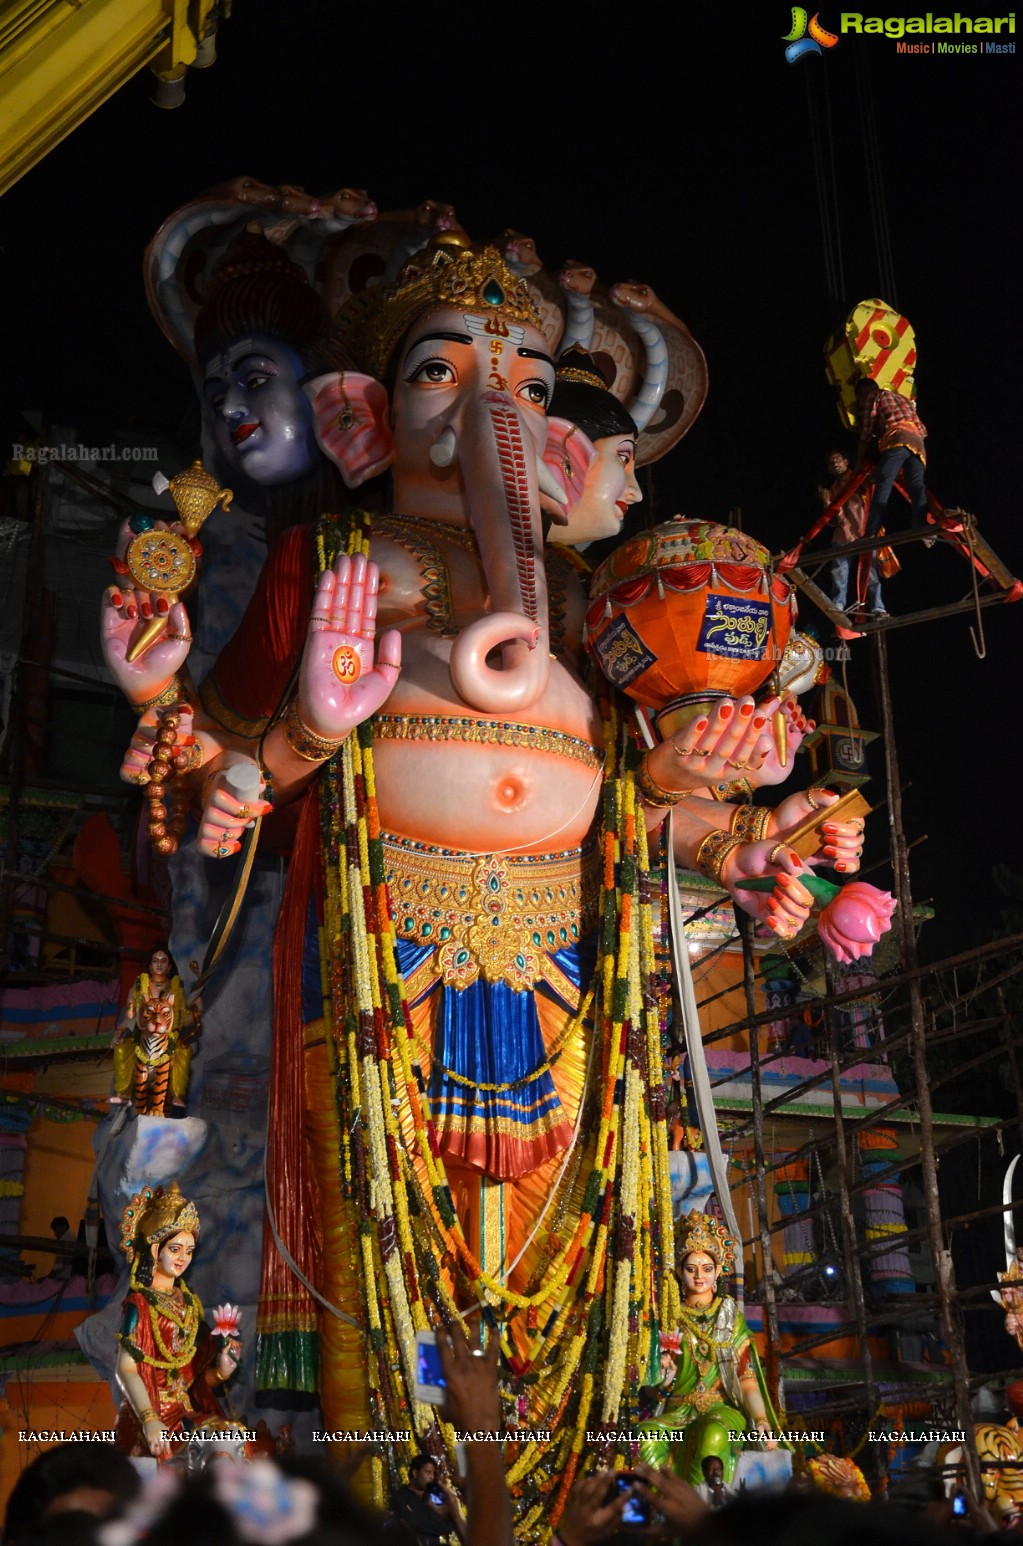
x=493 y=915
x=486 y=732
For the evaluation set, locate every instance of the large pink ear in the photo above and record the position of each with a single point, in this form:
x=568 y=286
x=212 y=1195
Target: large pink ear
x=350 y=413
x=569 y=455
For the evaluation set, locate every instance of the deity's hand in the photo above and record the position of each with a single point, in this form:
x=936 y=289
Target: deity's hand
x=339 y=686
x=669 y=1369
x=785 y=909
x=158 y=1446
x=224 y=816
x=719 y=746
x=797 y=728
x=124 y=611
x=135 y=766
x=842 y=848
x=230 y=1355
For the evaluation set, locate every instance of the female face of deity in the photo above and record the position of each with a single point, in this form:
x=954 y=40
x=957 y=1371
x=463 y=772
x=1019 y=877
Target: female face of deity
x=699 y=1277
x=159 y=964
x=449 y=368
x=174 y=1255
x=262 y=419
x=610 y=488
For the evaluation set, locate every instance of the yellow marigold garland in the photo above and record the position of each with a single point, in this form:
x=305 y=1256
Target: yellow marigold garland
x=608 y=1279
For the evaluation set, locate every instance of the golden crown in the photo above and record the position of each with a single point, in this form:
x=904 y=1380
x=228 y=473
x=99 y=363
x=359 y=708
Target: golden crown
x=697 y=1231
x=154 y=1215
x=374 y=323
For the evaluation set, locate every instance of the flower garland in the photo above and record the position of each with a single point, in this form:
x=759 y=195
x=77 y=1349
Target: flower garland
x=584 y=1330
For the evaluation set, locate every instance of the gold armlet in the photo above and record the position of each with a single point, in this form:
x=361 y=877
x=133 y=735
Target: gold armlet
x=174 y=692
x=712 y=853
x=652 y=792
x=305 y=743
x=732 y=789
x=750 y=822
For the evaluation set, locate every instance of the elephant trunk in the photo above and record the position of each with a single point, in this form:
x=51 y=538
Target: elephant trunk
x=499 y=469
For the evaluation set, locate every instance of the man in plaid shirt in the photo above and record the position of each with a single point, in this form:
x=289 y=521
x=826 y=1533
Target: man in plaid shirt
x=891 y=420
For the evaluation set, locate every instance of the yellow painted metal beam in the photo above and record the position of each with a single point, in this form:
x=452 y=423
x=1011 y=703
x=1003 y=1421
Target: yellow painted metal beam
x=61 y=59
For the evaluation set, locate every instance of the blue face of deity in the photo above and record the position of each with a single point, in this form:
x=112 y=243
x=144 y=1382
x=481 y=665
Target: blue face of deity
x=262 y=420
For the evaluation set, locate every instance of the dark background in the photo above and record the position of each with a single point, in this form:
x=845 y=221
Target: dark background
x=663 y=144
x=672 y=147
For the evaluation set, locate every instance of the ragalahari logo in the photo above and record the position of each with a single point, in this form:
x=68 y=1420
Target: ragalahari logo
x=807 y=35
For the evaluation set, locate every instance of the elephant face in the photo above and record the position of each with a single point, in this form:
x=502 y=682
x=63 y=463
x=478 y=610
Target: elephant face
x=451 y=372
x=468 y=428
x=262 y=419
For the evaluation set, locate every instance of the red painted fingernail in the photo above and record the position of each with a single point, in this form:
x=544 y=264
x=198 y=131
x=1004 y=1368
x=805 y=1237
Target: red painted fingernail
x=701 y=724
x=772 y=923
x=831 y=852
x=795 y=856
x=784 y=880
x=759 y=722
x=811 y=724
x=117 y=598
x=133 y=613
x=162 y=604
x=842 y=867
x=746 y=709
x=725 y=711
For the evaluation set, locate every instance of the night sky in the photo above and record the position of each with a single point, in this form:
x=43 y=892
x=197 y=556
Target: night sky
x=674 y=147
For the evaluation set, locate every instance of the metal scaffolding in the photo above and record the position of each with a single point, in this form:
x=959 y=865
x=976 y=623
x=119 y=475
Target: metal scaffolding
x=920 y=1015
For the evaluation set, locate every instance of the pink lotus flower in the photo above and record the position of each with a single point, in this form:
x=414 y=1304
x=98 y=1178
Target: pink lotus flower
x=853 y=921
x=671 y=1341
x=225 y=1320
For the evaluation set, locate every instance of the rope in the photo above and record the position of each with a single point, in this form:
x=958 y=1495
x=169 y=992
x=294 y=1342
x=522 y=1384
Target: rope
x=875 y=185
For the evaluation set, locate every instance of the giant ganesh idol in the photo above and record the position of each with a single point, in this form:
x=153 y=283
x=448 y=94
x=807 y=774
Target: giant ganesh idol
x=468 y=1107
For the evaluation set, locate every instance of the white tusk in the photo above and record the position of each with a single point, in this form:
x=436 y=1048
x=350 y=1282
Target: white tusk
x=548 y=484
x=443 y=450
x=160 y=483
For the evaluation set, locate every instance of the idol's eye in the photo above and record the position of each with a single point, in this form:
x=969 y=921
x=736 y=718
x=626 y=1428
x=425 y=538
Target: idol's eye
x=256 y=379
x=536 y=392
x=626 y=453
x=216 y=402
x=433 y=372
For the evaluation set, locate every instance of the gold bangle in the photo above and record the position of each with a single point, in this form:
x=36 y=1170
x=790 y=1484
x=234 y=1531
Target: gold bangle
x=750 y=822
x=739 y=789
x=305 y=743
x=712 y=853
x=653 y=793
x=172 y=693
x=147 y=1415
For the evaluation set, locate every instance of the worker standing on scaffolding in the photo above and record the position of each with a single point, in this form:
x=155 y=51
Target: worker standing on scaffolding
x=891 y=422
x=849 y=523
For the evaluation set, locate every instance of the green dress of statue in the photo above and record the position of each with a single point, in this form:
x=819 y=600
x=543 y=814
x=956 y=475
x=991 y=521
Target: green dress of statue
x=710 y=1366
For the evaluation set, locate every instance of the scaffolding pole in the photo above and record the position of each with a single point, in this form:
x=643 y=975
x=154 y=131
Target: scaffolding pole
x=943 y=1268
x=772 y=1348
